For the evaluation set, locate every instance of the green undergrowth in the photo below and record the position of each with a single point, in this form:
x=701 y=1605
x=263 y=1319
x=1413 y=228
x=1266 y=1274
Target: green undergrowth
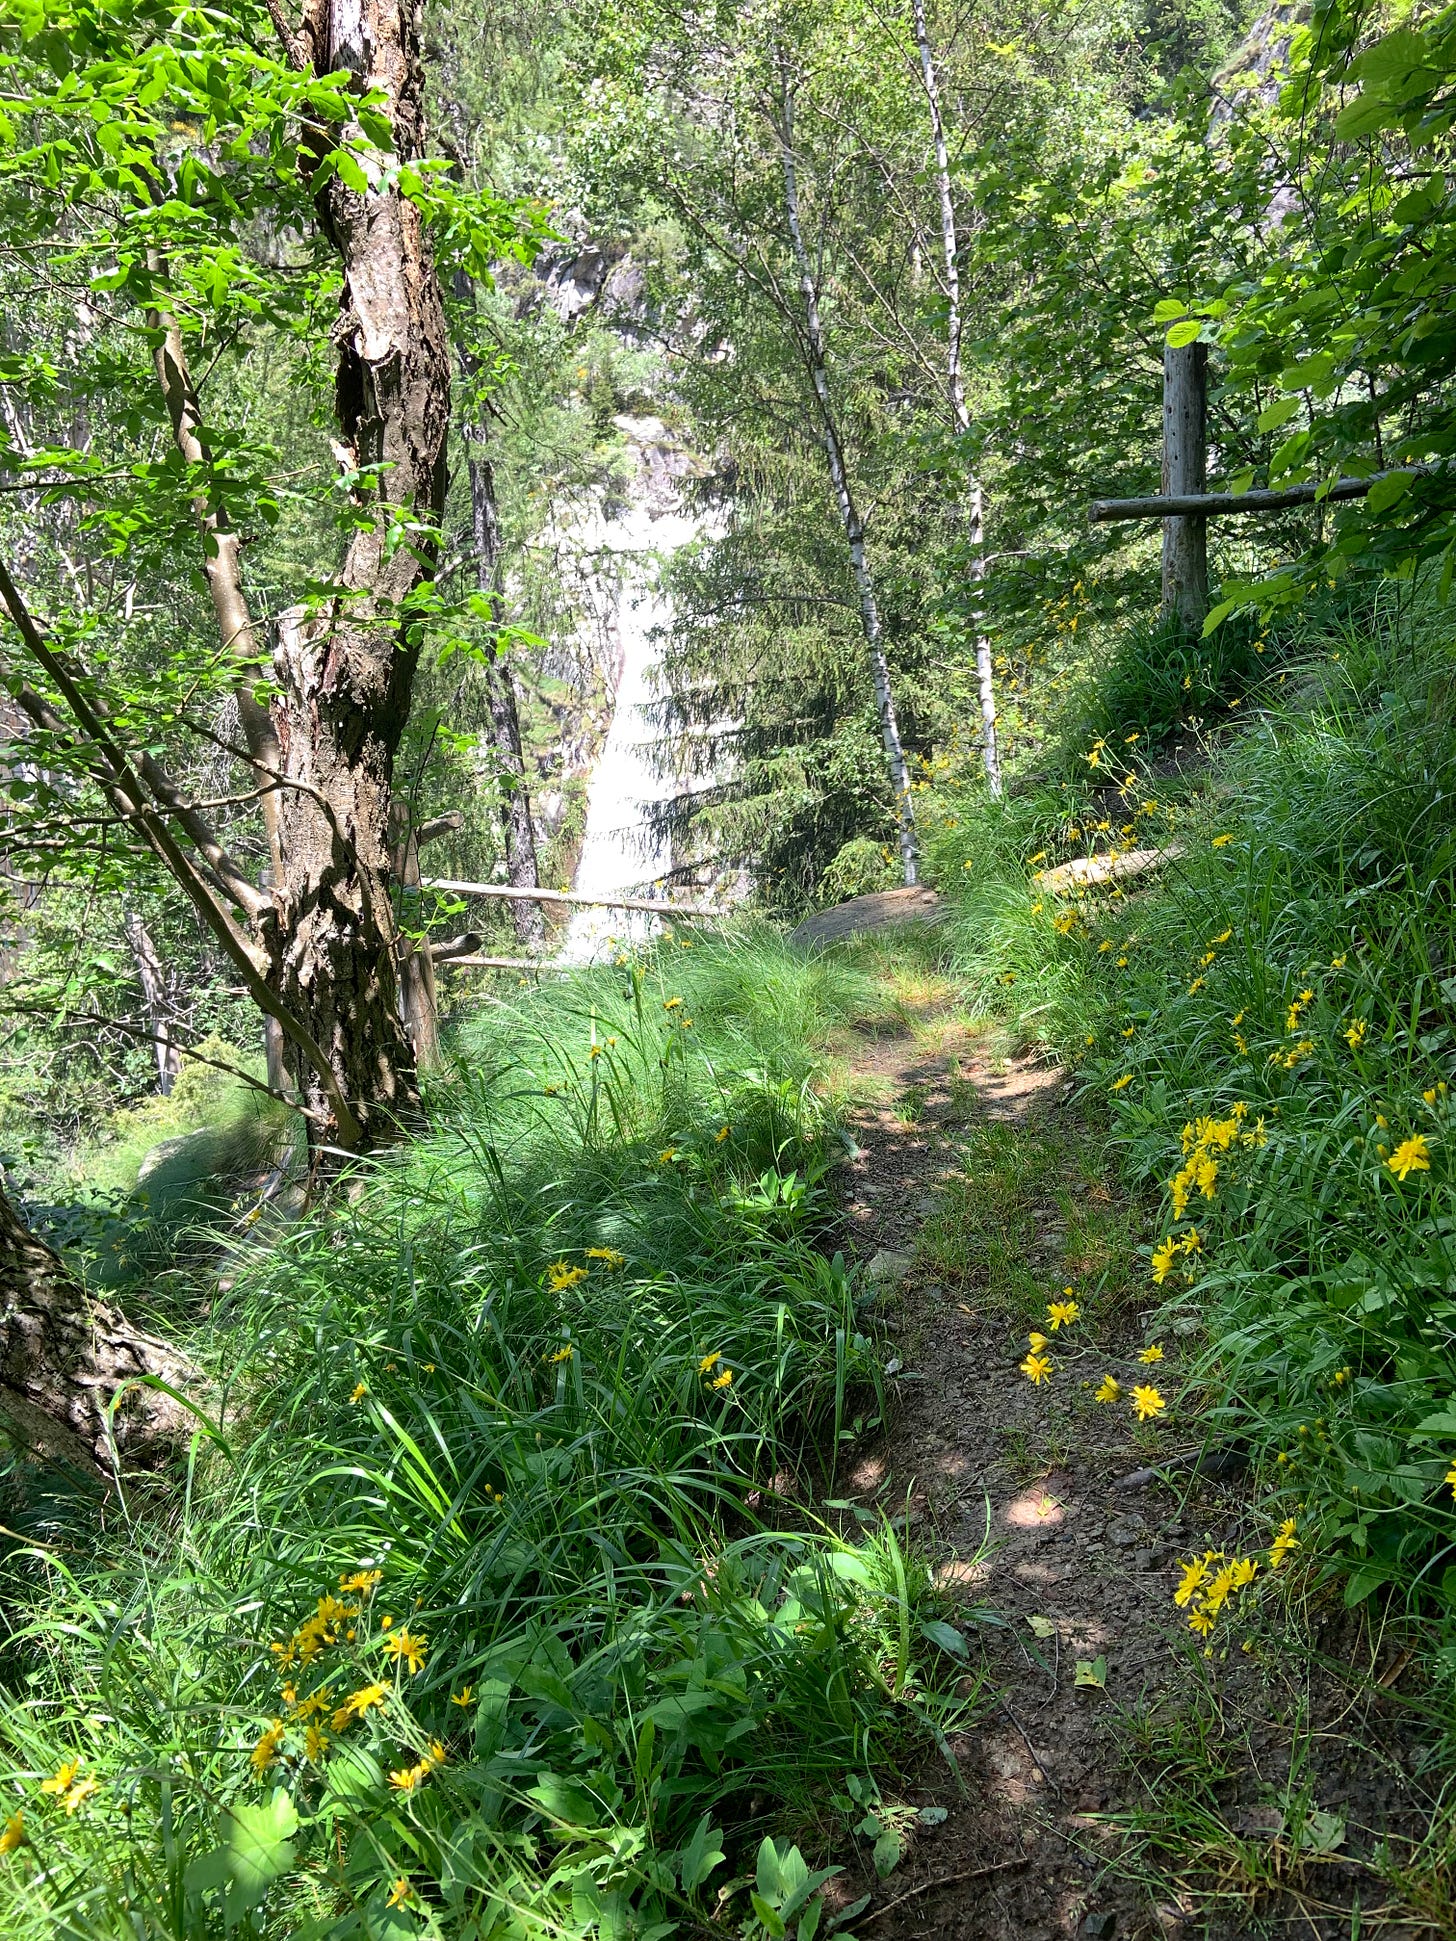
x=484 y=1607
x=1267 y=1022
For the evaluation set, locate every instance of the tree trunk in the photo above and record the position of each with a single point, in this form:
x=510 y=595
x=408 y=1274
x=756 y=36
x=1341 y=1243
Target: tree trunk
x=522 y=867
x=985 y=680
x=848 y=511
x=63 y=1360
x=157 y=997
x=346 y=670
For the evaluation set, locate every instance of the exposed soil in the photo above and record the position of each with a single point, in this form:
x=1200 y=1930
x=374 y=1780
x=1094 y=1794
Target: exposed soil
x=1032 y=1508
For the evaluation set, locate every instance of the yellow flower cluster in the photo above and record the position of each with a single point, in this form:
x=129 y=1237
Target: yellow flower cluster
x=66 y=1785
x=406 y=1778
x=561 y=1274
x=1283 y=1543
x=1203 y=1138
x=1165 y=1254
x=723 y=1378
x=316 y=1633
x=1208 y=1583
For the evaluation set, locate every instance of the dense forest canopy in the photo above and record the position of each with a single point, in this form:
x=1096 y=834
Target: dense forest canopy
x=439 y=1368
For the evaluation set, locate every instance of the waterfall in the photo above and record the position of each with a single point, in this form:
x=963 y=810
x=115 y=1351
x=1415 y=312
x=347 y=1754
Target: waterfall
x=620 y=855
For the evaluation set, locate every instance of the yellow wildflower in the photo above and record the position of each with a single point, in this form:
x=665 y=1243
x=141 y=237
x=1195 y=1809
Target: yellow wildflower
x=721 y=1134
x=1283 y=1543
x=672 y=1004
x=315 y=1742
x=667 y=1155
x=463 y=1697
x=265 y=1753
x=80 y=1793
x=1036 y=1368
x=561 y=1274
x=1038 y=1340
x=359 y=1392
x=1219 y=842
x=1125 y=1080
x=358 y=1703
x=562 y=1354
x=360 y=1580
x=1338 y=963
x=1195 y=1575
x=14 y=1833
x=1062 y=1314
x=1196 y=985
x=1450 y=1477
x=63 y=1778
x=709 y=1361
x=1108 y=1389
x=1201 y=1621
x=1147 y=1403
x=1164 y=1255
x=405 y=1778
x=1222 y=938
x=1152 y=1354
x=723 y=1380
x=406 y=1647
x=1412 y=1155
x=400 y=1892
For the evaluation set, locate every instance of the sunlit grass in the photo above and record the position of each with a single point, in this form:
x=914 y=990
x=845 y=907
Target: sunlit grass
x=548 y=1373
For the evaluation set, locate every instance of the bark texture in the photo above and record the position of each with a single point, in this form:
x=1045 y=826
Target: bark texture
x=849 y=516
x=63 y=1359
x=347 y=670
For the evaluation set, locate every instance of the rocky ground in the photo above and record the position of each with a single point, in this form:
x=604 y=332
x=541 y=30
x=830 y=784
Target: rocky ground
x=1113 y=1776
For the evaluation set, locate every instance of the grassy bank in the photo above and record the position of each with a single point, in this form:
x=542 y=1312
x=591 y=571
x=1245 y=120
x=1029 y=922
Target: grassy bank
x=484 y=1605
x=1267 y=1022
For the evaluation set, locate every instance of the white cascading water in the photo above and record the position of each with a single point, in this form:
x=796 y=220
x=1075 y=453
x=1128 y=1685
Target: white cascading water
x=620 y=856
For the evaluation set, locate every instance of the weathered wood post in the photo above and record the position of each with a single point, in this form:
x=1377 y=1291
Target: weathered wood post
x=1185 y=472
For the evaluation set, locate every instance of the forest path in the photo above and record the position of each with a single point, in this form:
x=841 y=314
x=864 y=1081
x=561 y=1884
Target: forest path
x=975 y=1200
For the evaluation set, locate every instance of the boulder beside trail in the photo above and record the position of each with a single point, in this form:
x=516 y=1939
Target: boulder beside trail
x=878 y=911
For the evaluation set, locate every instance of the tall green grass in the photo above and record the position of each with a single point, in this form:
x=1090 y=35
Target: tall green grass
x=537 y=1411
x=1293 y=971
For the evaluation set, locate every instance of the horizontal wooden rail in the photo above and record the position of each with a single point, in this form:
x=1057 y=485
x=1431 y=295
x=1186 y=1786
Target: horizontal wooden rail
x=1217 y=504
x=507 y=963
x=514 y=895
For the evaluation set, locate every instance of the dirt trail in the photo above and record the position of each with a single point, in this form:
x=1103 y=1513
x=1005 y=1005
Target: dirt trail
x=1025 y=1497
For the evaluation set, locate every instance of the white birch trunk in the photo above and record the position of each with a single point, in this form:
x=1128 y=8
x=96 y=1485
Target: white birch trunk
x=849 y=512
x=976 y=522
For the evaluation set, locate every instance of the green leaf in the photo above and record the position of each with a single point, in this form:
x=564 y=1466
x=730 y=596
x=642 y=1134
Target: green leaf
x=770 y=1917
x=945 y=1635
x=1388 y=491
x=565 y=1801
x=349 y=172
x=1091 y=1672
x=701 y=1854
x=1278 y=414
x=1184 y=333
x=888 y=1850
x=1169 y=310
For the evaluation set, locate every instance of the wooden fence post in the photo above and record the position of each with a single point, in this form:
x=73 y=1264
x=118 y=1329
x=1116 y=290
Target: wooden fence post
x=1185 y=470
